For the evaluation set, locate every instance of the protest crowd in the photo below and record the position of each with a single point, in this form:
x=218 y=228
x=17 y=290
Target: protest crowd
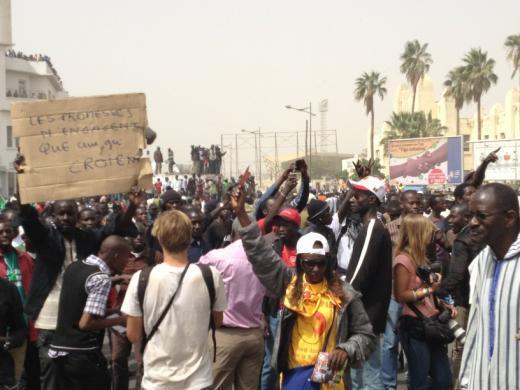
x=208 y=283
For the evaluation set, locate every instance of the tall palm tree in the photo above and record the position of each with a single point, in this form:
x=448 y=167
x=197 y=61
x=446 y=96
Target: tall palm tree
x=479 y=75
x=415 y=63
x=512 y=45
x=367 y=86
x=457 y=89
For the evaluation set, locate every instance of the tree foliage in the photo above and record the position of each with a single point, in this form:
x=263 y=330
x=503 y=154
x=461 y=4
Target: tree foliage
x=415 y=63
x=408 y=125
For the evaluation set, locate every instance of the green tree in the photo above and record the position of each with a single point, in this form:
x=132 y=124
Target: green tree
x=457 y=88
x=479 y=76
x=415 y=63
x=408 y=125
x=368 y=85
x=512 y=45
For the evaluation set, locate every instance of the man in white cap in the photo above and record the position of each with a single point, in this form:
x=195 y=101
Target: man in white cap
x=370 y=271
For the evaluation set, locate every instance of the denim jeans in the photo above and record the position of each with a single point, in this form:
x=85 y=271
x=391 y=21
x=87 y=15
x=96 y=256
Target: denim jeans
x=425 y=359
x=390 y=344
x=268 y=376
x=368 y=377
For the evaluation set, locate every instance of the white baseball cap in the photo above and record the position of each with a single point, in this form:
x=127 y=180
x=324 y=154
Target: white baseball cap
x=306 y=243
x=372 y=184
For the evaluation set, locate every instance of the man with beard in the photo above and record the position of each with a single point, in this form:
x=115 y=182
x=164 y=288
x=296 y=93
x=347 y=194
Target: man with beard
x=491 y=358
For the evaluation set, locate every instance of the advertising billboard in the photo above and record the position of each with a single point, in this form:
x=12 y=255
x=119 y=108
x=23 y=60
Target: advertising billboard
x=426 y=161
x=506 y=168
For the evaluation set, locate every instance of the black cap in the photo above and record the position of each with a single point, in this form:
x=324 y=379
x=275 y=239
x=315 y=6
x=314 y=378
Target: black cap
x=315 y=208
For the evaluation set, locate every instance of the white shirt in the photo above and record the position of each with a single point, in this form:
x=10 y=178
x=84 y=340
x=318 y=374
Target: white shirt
x=346 y=244
x=177 y=356
x=48 y=316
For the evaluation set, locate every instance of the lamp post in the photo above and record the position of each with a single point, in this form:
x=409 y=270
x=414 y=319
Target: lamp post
x=258 y=152
x=308 y=135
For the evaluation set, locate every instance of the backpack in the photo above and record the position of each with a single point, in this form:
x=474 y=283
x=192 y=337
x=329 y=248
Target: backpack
x=144 y=277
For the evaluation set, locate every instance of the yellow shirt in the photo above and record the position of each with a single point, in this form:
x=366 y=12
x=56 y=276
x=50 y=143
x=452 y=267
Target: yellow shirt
x=315 y=317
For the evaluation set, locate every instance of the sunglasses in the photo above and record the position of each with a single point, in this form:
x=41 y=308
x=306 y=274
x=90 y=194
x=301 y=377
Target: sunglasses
x=310 y=264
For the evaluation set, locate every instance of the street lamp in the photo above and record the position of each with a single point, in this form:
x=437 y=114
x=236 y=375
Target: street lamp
x=258 y=152
x=308 y=130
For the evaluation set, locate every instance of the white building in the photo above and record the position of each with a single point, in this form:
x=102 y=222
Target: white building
x=20 y=79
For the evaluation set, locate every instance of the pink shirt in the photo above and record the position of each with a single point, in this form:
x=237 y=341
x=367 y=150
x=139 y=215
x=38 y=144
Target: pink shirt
x=426 y=306
x=244 y=292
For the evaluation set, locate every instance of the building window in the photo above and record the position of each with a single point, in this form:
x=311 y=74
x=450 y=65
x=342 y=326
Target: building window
x=502 y=135
x=9 y=136
x=466 y=142
x=486 y=137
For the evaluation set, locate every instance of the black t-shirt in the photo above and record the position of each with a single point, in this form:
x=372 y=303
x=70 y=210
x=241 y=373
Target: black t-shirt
x=11 y=317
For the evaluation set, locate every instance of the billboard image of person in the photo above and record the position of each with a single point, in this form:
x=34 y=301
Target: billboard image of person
x=427 y=161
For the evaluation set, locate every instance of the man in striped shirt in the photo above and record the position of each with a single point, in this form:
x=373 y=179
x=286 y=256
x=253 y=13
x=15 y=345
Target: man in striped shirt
x=491 y=358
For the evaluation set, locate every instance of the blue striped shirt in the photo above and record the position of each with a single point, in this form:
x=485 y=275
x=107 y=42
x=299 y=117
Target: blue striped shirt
x=491 y=358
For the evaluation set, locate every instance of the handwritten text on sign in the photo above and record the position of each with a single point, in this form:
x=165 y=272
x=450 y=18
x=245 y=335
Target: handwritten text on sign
x=81 y=146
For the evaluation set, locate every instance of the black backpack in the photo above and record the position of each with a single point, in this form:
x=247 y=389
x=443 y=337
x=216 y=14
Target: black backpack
x=144 y=277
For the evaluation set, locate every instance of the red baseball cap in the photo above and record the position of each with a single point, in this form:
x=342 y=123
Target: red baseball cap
x=289 y=214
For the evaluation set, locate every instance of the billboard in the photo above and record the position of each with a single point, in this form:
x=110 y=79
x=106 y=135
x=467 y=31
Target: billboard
x=426 y=161
x=506 y=168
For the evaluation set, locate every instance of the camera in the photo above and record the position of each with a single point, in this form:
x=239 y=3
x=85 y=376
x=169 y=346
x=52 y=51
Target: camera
x=458 y=331
x=424 y=271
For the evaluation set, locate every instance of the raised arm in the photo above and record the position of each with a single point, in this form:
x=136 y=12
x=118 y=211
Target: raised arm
x=267 y=265
x=479 y=175
x=279 y=201
x=271 y=191
x=300 y=202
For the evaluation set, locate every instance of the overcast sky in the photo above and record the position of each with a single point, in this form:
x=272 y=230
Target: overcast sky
x=209 y=67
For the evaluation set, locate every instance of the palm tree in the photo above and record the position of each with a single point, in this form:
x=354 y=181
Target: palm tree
x=408 y=125
x=415 y=63
x=512 y=45
x=457 y=89
x=478 y=73
x=367 y=86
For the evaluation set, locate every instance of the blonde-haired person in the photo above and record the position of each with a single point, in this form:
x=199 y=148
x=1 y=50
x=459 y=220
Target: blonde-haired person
x=177 y=354
x=425 y=359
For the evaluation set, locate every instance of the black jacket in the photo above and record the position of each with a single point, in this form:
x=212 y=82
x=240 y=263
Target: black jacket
x=456 y=282
x=374 y=277
x=50 y=252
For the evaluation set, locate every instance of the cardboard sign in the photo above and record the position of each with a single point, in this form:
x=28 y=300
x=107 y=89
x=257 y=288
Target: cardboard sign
x=78 y=147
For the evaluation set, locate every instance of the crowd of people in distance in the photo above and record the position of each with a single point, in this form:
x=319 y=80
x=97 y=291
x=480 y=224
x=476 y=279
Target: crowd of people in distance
x=207 y=283
x=34 y=57
x=206 y=160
